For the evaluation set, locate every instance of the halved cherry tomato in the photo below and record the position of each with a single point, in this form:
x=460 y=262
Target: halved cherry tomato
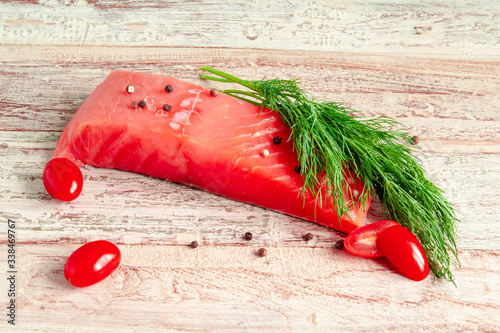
x=363 y=241
x=404 y=251
x=63 y=179
x=91 y=263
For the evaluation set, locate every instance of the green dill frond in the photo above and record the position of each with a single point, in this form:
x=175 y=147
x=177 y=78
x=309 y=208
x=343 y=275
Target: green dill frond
x=328 y=139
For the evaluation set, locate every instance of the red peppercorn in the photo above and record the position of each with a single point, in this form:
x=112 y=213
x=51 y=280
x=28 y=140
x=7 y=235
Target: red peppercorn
x=262 y=252
x=194 y=244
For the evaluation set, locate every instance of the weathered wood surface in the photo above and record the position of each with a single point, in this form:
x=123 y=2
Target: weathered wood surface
x=434 y=68
x=458 y=28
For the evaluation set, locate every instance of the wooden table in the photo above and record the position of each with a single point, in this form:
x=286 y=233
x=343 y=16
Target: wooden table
x=433 y=67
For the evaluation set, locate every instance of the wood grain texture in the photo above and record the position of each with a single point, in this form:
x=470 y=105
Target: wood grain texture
x=435 y=68
x=204 y=289
x=467 y=28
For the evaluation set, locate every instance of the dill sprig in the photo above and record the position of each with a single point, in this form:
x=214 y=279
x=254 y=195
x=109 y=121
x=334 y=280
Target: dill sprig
x=330 y=138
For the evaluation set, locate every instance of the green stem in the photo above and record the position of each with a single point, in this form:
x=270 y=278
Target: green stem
x=228 y=77
x=241 y=92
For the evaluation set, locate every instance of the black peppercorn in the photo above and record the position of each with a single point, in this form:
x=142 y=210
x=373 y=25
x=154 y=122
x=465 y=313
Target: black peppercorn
x=297 y=169
x=213 y=92
x=130 y=89
x=277 y=140
x=262 y=252
x=308 y=237
x=169 y=88
x=142 y=104
x=248 y=236
x=167 y=107
x=339 y=245
x=194 y=244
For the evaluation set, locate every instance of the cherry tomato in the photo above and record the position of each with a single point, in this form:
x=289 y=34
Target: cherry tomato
x=91 y=263
x=404 y=251
x=63 y=179
x=363 y=241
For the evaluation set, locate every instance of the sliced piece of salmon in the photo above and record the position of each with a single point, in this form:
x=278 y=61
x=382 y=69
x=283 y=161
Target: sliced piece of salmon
x=216 y=143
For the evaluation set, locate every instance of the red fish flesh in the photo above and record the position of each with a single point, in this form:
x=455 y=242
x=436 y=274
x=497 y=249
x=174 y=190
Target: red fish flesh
x=163 y=127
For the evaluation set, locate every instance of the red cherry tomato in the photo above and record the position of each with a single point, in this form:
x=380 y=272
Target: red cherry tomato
x=63 y=179
x=404 y=251
x=363 y=241
x=91 y=263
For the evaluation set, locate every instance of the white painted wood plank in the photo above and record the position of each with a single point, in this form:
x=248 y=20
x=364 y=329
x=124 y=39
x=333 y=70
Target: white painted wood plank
x=120 y=204
x=443 y=100
x=229 y=287
x=466 y=28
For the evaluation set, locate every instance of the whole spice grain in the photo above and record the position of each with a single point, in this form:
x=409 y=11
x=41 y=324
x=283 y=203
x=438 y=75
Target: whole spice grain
x=416 y=139
x=297 y=169
x=265 y=153
x=142 y=104
x=134 y=104
x=277 y=140
x=308 y=237
x=130 y=89
x=248 y=236
x=339 y=245
x=214 y=92
x=169 y=88
x=262 y=252
x=167 y=107
x=194 y=244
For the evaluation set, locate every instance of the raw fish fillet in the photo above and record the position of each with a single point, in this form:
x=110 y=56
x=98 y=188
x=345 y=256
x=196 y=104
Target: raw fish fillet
x=215 y=143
